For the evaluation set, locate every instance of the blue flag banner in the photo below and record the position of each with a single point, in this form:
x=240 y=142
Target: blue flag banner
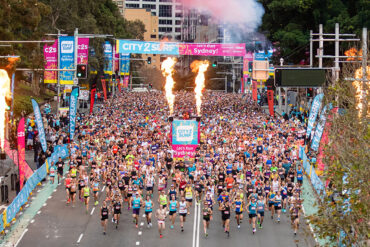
x=108 y=56
x=67 y=58
x=73 y=113
x=316 y=104
x=124 y=64
x=320 y=127
x=40 y=124
x=147 y=47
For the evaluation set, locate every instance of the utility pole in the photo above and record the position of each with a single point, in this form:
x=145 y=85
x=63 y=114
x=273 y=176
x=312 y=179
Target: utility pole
x=321 y=45
x=364 y=71
x=58 y=77
x=75 y=80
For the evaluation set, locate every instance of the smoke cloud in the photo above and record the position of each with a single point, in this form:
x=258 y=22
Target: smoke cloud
x=243 y=13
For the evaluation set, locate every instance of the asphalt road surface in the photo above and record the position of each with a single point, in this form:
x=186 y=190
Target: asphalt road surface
x=57 y=224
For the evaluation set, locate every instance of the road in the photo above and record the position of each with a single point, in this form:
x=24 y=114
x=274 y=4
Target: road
x=57 y=224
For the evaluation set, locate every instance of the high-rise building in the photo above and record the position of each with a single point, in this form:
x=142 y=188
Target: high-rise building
x=169 y=13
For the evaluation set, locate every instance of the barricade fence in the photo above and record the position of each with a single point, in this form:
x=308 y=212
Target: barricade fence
x=23 y=196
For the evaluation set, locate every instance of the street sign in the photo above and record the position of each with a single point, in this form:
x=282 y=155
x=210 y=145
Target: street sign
x=299 y=77
x=260 y=70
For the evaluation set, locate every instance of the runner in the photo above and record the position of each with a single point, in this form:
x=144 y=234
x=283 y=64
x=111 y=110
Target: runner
x=52 y=171
x=183 y=211
x=252 y=206
x=148 y=210
x=67 y=183
x=207 y=212
x=60 y=166
x=117 y=204
x=136 y=204
x=225 y=210
x=104 y=216
x=238 y=206
x=161 y=216
x=86 y=194
x=261 y=204
x=189 y=195
x=173 y=209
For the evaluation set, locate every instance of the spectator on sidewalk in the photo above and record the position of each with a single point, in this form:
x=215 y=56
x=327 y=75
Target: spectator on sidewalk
x=36 y=148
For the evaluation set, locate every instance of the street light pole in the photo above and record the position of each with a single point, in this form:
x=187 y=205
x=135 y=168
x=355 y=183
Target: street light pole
x=58 y=77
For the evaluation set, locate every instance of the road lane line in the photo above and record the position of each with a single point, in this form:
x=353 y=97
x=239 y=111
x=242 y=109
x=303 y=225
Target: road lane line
x=195 y=222
x=198 y=229
x=139 y=233
x=39 y=212
x=137 y=243
x=19 y=240
x=103 y=189
x=92 y=211
x=79 y=239
x=142 y=223
x=32 y=220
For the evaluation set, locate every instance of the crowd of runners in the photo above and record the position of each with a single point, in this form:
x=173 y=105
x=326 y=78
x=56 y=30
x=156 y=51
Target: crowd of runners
x=245 y=166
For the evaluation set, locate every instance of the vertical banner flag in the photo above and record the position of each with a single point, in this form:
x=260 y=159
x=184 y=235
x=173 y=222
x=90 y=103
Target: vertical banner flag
x=21 y=152
x=83 y=51
x=67 y=58
x=73 y=113
x=124 y=64
x=248 y=57
x=320 y=127
x=270 y=100
x=92 y=99
x=116 y=60
x=119 y=85
x=125 y=81
x=242 y=85
x=316 y=104
x=51 y=62
x=254 y=90
x=40 y=124
x=104 y=88
x=108 y=56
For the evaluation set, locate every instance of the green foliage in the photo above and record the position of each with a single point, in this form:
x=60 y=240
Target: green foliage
x=288 y=22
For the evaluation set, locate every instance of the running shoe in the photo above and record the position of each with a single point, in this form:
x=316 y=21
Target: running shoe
x=260 y=227
x=171 y=227
x=206 y=234
x=96 y=203
x=238 y=226
x=254 y=230
x=160 y=235
x=228 y=234
x=182 y=229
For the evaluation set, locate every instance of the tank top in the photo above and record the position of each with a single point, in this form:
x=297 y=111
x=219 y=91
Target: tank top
x=299 y=175
x=148 y=206
x=173 y=205
x=96 y=186
x=117 y=206
x=226 y=211
x=73 y=173
x=188 y=193
x=278 y=200
x=182 y=208
x=252 y=208
x=238 y=206
x=209 y=201
x=86 y=191
x=163 y=200
x=260 y=206
x=104 y=211
x=173 y=192
x=136 y=203
x=205 y=212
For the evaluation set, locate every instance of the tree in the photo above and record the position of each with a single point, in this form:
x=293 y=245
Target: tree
x=345 y=207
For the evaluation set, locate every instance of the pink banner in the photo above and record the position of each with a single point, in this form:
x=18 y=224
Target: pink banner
x=21 y=152
x=179 y=151
x=83 y=50
x=125 y=81
x=233 y=50
x=116 y=61
x=248 y=57
x=51 y=62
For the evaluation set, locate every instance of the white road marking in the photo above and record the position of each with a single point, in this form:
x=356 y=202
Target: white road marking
x=44 y=205
x=92 y=211
x=142 y=223
x=103 y=189
x=195 y=223
x=143 y=215
x=19 y=240
x=32 y=220
x=20 y=213
x=55 y=190
x=79 y=239
x=49 y=197
x=38 y=190
x=198 y=229
x=39 y=212
x=139 y=233
x=137 y=243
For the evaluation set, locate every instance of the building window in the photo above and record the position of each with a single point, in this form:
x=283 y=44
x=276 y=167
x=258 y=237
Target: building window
x=165 y=29
x=165 y=10
x=179 y=15
x=178 y=29
x=178 y=7
x=177 y=22
x=165 y=22
x=132 y=5
x=165 y=1
x=148 y=6
x=153 y=36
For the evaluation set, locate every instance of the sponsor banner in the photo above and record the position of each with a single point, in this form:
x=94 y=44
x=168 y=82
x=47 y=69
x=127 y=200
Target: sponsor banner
x=119 y=85
x=40 y=124
x=320 y=127
x=51 y=62
x=210 y=49
x=67 y=58
x=254 y=90
x=124 y=64
x=270 y=100
x=83 y=51
x=316 y=104
x=185 y=132
x=108 y=56
x=104 y=88
x=21 y=152
x=126 y=80
x=147 y=47
x=180 y=151
x=116 y=60
x=92 y=99
x=262 y=55
x=73 y=113
x=84 y=95
x=248 y=57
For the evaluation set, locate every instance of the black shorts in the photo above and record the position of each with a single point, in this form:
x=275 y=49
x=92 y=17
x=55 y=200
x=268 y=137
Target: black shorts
x=252 y=216
x=238 y=213
x=181 y=189
x=206 y=218
x=149 y=188
x=172 y=212
x=60 y=172
x=277 y=207
x=225 y=217
x=80 y=187
x=183 y=215
x=271 y=204
x=72 y=192
x=117 y=211
x=261 y=213
x=104 y=218
x=121 y=188
x=86 y=196
x=189 y=200
x=199 y=190
x=300 y=181
x=148 y=212
x=129 y=195
x=136 y=211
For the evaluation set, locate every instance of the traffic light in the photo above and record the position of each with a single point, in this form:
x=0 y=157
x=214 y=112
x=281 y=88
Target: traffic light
x=250 y=66
x=81 y=71
x=149 y=60
x=214 y=65
x=309 y=92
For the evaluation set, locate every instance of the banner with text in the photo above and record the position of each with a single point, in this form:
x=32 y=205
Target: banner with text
x=124 y=63
x=315 y=107
x=40 y=124
x=108 y=56
x=21 y=152
x=210 y=49
x=147 y=47
x=67 y=58
x=270 y=100
x=320 y=127
x=73 y=113
x=51 y=62
x=185 y=132
x=83 y=51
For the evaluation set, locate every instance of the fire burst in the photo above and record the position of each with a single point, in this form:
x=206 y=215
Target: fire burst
x=201 y=68
x=167 y=71
x=361 y=92
x=4 y=93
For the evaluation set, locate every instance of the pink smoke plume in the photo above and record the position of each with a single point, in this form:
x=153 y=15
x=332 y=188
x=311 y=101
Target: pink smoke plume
x=245 y=12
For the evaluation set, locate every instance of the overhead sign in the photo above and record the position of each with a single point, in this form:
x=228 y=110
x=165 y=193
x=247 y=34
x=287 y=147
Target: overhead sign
x=170 y=48
x=185 y=132
x=67 y=58
x=298 y=77
x=260 y=70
